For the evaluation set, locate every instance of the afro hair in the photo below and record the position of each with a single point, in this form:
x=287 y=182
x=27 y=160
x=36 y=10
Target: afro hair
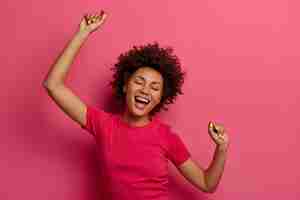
x=149 y=55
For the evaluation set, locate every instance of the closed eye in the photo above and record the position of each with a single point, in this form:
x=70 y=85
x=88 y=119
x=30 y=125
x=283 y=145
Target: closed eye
x=138 y=82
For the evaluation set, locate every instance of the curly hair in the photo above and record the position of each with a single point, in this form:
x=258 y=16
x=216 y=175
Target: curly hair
x=150 y=55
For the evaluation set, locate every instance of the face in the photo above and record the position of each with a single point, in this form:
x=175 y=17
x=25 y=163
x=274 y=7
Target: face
x=143 y=91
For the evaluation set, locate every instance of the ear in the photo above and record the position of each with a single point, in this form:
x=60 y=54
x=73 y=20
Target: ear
x=124 y=88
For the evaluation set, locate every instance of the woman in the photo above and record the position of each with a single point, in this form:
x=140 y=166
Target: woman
x=135 y=145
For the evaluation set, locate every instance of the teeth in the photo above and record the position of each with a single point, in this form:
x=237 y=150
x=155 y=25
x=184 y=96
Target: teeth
x=142 y=99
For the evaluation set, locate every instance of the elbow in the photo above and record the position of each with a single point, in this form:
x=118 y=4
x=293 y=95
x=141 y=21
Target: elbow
x=210 y=190
x=207 y=189
x=48 y=85
x=208 y=186
x=45 y=85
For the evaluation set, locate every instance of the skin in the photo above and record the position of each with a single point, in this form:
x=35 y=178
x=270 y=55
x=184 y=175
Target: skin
x=149 y=82
x=205 y=180
x=146 y=82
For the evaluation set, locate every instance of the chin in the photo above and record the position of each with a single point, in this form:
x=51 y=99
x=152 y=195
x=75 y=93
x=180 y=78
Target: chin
x=140 y=113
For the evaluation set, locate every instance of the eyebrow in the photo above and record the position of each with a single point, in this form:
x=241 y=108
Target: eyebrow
x=144 y=79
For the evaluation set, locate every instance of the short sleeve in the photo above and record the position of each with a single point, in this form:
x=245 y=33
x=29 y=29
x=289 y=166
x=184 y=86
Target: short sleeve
x=177 y=150
x=95 y=119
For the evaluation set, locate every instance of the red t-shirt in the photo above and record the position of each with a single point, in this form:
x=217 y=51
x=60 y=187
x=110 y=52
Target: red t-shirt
x=134 y=160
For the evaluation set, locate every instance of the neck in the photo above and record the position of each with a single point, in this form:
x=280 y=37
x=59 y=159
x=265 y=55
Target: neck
x=135 y=120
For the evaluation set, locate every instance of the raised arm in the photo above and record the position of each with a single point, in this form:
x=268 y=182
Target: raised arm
x=208 y=179
x=54 y=81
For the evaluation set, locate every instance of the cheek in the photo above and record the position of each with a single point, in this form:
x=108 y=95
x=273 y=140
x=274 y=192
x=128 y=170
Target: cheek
x=157 y=98
x=133 y=88
x=128 y=96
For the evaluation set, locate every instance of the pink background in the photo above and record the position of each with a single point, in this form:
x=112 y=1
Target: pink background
x=242 y=60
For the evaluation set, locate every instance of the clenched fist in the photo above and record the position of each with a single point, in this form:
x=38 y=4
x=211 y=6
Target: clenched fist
x=91 y=22
x=218 y=133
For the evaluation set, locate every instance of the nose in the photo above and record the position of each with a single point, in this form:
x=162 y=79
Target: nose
x=145 y=90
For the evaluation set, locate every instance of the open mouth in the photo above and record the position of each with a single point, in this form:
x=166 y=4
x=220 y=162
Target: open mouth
x=141 y=102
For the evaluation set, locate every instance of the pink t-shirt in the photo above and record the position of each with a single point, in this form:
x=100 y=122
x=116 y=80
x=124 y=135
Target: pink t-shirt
x=134 y=160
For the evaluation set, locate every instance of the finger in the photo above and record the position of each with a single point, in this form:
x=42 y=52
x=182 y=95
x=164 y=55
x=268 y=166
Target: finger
x=92 y=18
x=214 y=134
x=217 y=137
x=88 y=18
x=215 y=128
x=94 y=14
x=223 y=132
x=104 y=17
x=89 y=15
x=212 y=128
x=98 y=16
x=221 y=136
x=220 y=128
x=101 y=21
x=102 y=14
x=88 y=21
x=211 y=124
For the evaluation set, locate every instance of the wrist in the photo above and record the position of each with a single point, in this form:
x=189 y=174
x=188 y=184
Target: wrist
x=82 y=34
x=222 y=147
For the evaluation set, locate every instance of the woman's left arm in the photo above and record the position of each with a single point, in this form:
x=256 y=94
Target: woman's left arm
x=208 y=180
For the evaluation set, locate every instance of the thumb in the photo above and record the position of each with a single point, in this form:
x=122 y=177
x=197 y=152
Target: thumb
x=102 y=20
x=98 y=23
x=212 y=127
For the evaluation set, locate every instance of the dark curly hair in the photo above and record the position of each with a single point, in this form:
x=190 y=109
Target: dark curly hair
x=149 y=55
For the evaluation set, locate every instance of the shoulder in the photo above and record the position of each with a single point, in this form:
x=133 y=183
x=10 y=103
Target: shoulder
x=99 y=112
x=100 y=116
x=166 y=130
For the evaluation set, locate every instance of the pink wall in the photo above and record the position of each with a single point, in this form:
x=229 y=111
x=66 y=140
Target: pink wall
x=242 y=60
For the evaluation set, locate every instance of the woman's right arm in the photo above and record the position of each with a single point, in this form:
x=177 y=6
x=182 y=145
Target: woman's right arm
x=54 y=81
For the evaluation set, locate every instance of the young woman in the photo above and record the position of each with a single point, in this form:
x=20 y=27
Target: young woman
x=135 y=145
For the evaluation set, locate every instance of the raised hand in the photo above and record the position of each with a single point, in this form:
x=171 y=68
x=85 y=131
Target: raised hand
x=218 y=134
x=91 y=22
